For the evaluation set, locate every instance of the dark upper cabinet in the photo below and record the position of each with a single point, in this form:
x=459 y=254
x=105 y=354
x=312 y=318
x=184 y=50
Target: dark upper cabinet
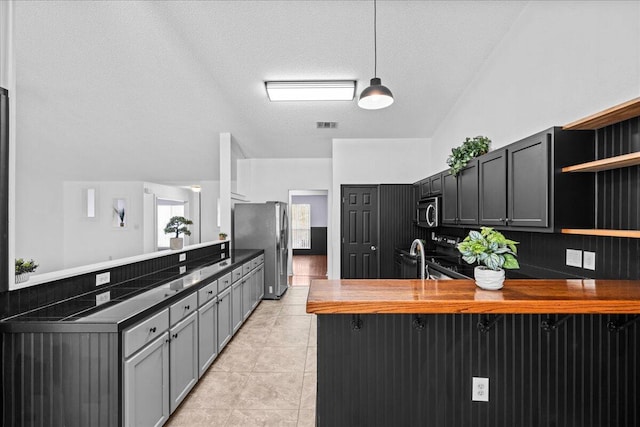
x=468 y=194
x=460 y=196
x=436 y=184
x=528 y=182
x=449 y=198
x=425 y=188
x=521 y=186
x=492 y=188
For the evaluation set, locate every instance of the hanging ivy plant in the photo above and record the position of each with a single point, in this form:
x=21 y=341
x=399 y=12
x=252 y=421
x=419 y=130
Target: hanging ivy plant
x=470 y=148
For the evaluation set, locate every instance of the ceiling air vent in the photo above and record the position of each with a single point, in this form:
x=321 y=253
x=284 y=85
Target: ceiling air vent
x=326 y=125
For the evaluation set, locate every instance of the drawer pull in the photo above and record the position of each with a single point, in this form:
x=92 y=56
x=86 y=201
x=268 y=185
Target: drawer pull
x=175 y=335
x=186 y=307
x=152 y=330
x=210 y=292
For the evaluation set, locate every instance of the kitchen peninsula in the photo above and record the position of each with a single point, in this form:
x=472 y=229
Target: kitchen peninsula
x=405 y=352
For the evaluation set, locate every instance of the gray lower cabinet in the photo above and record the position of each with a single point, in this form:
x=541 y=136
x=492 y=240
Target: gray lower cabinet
x=225 y=329
x=247 y=294
x=183 y=357
x=260 y=283
x=207 y=335
x=146 y=385
x=236 y=305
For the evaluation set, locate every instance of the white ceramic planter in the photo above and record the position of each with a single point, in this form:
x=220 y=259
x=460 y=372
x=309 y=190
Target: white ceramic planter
x=21 y=278
x=489 y=279
x=176 y=243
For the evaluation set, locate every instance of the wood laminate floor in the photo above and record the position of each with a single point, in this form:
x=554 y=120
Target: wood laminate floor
x=306 y=268
x=266 y=375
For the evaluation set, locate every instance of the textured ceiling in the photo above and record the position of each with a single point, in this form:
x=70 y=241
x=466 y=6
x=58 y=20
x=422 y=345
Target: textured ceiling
x=119 y=80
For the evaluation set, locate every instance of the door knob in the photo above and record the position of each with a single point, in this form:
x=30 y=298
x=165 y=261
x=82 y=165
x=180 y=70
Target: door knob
x=373 y=248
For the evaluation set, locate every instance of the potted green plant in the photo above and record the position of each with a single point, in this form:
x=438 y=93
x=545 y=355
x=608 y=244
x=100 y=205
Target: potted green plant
x=177 y=225
x=222 y=236
x=496 y=252
x=470 y=148
x=24 y=269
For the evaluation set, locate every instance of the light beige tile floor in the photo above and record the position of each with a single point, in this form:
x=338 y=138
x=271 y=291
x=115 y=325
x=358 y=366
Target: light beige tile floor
x=266 y=375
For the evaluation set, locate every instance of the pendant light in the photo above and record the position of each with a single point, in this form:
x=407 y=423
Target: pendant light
x=376 y=96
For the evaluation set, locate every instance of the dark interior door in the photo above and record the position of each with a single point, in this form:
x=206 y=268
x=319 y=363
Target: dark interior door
x=359 y=232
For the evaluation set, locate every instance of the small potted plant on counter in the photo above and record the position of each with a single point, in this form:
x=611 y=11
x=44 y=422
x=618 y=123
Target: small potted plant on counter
x=177 y=225
x=222 y=236
x=24 y=269
x=470 y=148
x=496 y=252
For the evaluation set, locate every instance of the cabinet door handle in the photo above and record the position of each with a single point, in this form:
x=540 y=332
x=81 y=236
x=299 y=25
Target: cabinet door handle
x=186 y=307
x=175 y=335
x=500 y=219
x=167 y=340
x=152 y=330
x=210 y=292
x=506 y=220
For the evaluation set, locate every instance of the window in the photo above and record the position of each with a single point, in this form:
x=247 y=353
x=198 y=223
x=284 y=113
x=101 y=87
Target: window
x=301 y=226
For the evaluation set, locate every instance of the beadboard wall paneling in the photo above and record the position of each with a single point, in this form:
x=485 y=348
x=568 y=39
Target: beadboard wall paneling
x=389 y=372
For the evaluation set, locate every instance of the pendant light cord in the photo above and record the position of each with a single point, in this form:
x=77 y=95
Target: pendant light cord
x=375 y=41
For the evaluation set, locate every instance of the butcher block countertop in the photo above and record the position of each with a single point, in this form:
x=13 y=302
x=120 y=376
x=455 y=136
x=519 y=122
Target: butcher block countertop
x=526 y=296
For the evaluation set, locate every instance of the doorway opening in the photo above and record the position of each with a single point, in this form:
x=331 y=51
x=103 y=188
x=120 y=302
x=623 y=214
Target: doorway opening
x=309 y=213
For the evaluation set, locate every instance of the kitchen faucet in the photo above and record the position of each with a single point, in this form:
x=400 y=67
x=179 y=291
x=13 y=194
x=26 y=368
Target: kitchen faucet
x=418 y=244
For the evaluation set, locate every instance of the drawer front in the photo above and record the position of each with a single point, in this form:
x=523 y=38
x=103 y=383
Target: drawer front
x=183 y=308
x=224 y=282
x=237 y=274
x=144 y=332
x=207 y=293
x=246 y=267
x=261 y=259
x=255 y=262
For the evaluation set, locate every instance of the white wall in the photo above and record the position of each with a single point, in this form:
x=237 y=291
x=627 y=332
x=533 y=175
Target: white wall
x=263 y=180
x=372 y=161
x=560 y=61
x=91 y=240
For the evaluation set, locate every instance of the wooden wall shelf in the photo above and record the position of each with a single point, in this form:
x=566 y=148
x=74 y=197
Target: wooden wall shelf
x=616 y=162
x=615 y=114
x=635 y=234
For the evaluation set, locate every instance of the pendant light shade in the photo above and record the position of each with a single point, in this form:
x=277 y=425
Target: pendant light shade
x=375 y=96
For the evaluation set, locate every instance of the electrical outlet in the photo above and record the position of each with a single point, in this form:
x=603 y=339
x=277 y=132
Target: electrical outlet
x=589 y=260
x=103 y=278
x=182 y=257
x=574 y=258
x=480 y=389
x=183 y=269
x=103 y=297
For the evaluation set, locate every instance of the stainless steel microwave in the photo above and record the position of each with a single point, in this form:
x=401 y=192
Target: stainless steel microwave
x=429 y=212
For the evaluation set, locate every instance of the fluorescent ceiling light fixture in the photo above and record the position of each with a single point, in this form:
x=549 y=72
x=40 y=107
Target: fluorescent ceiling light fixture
x=327 y=90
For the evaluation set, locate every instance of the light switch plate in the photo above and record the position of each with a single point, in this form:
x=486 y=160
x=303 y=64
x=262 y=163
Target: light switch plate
x=480 y=389
x=574 y=258
x=103 y=278
x=183 y=269
x=182 y=257
x=589 y=260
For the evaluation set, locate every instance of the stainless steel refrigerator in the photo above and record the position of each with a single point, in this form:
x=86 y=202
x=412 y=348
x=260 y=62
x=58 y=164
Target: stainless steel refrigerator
x=265 y=226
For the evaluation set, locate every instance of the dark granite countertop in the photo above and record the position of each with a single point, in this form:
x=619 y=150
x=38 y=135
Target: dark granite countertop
x=129 y=302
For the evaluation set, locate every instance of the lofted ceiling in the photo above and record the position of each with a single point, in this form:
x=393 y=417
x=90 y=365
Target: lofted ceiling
x=120 y=80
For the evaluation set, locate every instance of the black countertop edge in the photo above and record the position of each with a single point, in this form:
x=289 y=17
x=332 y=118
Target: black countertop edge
x=14 y=324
